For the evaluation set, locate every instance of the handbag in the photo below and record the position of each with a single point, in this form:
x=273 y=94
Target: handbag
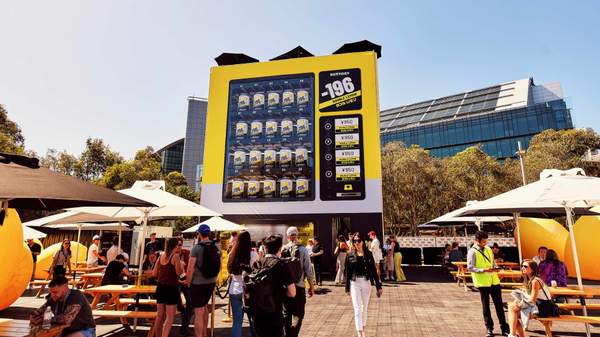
x=547 y=308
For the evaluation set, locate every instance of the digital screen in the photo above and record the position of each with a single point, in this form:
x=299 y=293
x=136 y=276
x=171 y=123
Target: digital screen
x=270 y=140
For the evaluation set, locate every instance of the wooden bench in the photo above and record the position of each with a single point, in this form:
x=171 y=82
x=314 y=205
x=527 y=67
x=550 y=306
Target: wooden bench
x=123 y=315
x=462 y=277
x=571 y=319
x=511 y=284
x=44 y=283
x=578 y=306
x=127 y=301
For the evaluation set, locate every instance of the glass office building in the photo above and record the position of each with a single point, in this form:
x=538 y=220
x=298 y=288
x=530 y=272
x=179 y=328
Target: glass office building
x=496 y=117
x=193 y=149
x=172 y=156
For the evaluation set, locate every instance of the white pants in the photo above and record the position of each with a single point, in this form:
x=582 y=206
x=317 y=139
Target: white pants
x=340 y=276
x=360 y=290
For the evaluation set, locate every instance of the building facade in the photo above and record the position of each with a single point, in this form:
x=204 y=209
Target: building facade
x=193 y=149
x=496 y=118
x=172 y=156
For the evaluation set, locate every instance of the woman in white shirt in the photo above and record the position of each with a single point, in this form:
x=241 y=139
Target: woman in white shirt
x=238 y=262
x=375 y=248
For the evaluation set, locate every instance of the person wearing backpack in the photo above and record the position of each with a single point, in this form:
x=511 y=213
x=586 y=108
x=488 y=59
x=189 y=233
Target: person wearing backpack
x=202 y=271
x=267 y=286
x=293 y=307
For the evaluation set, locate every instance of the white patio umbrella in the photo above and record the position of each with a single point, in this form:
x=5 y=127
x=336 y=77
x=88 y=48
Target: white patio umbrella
x=455 y=218
x=217 y=224
x=168 y=206
x=556 y=194
x=30 y=233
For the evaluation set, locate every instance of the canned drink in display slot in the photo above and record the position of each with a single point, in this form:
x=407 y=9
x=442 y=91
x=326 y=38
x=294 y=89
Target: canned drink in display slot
x=268 y=187
x=258 y=100
x=270 y=157
x=256 y=128
x=288 y=98
x=302 y=125
x=239 y=158
x=287 y=127
x=237 y=188
x=302 y=97
x=253 y=188
x=241 y=129
x=285 y=156
x=301 y=187
x=243 y=101
x=255 y=158
x=273 y=99
x=301 y=155
x=271 y=128
x=285 y=187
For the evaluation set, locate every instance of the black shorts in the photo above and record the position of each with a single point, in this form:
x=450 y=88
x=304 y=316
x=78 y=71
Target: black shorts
x=167 y=294
x=201 y=294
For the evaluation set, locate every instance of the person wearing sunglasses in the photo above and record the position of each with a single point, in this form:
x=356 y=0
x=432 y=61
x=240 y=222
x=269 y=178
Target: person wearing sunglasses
x=61 y=260
x=361 y=273
x=484 y=272
x=537 y=301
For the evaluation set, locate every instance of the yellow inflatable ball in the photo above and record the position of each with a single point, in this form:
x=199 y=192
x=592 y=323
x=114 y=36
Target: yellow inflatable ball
x=45 y=258
x=17 y=264
x=587 y=231
x=537 y=232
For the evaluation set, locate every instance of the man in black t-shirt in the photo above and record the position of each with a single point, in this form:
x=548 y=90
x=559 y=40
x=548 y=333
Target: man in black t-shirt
x=35 y=251
x=270 y=324
x=152 y=246
x=115 y=270
x=69 y=306
x=315 y=257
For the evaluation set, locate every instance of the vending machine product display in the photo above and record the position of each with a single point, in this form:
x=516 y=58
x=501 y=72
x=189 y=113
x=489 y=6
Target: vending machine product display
x=270 y=141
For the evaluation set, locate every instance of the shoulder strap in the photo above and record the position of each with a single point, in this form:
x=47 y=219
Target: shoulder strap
x=544 y=290
x=482 y=252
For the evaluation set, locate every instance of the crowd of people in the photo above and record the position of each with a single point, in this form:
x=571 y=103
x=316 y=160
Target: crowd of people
x=269 y=282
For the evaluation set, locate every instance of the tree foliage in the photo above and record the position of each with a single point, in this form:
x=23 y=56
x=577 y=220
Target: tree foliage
x=11 y=138
x=95 y=159
x=144 y=166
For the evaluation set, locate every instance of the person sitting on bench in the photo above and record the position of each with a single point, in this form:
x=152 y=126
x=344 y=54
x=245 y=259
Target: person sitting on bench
x=69 y=307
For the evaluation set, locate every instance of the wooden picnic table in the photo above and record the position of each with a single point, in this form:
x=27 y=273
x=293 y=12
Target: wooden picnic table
x=87 y=270
x=573 y=291
x=116 y=291
x=91 y=279
x=21 y=328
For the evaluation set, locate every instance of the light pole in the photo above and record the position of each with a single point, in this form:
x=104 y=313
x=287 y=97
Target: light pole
x=520 y=152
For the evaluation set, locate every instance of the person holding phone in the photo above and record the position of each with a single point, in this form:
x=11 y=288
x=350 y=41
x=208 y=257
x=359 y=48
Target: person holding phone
x=360 y=275
x=484 y=271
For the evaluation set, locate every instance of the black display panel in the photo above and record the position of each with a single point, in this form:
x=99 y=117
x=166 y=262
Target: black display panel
x=340 y=90
x=342 y=158
x=270 y=140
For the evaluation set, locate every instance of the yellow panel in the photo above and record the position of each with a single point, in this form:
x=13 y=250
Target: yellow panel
x=216 y=122
x=17 y=264
x=587 y=233
x=542 y=232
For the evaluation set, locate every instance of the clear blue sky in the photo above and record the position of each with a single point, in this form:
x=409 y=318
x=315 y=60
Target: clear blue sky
x=121 y=70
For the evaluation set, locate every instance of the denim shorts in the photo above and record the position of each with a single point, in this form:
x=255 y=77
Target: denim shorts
x=89 y=332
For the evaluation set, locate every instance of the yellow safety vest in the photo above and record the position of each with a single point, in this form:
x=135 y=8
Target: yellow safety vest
x=484 y=260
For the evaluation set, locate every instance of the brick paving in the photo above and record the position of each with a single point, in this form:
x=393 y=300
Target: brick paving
x=410 y=309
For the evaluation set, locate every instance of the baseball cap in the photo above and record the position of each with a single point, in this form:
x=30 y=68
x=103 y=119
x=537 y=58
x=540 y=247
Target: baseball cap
x=204 y=229
x=292 y=231
x=372 y=233
x=96 y=237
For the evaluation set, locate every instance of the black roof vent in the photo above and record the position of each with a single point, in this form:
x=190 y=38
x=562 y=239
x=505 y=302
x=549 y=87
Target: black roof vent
x=354 y=47
x=292 y=54
x=227 y=59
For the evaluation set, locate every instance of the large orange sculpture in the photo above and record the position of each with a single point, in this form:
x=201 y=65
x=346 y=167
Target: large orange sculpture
x=17 y=264
x=587 y=230
x=537 y=232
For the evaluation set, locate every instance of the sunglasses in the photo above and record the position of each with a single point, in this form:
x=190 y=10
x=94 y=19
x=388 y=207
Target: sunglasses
x=357 y=241
x=524 y=266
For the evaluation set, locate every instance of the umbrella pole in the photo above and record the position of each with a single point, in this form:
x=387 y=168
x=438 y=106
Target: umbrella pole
x=77 y=249
x=569 y=214
x=516 y=216
x=140 y=248
x=120 y=225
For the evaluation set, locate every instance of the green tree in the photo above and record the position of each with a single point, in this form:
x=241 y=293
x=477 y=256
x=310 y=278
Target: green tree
x=144 y=166
x=11 y=138
x=412 y=184
x=562 y=150
x=61 y=162
x=95 y=159
x=473 y=175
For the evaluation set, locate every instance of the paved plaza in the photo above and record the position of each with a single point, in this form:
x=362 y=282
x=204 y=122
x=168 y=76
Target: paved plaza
x=410 y=309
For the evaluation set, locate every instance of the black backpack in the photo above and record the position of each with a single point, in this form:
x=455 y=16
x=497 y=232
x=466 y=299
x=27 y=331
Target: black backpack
x=259 y=291
x=211 y=260
x=291 y=257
